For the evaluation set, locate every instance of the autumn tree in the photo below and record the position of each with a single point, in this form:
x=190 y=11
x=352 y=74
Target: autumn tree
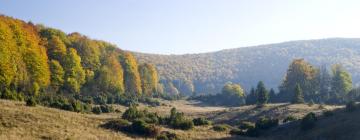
x=74 y=73
x=132 y=80
x=110 y=76
x=57 y=75
x=232 y=94
x=56 y=49
x=302 y=73
x=149 y=79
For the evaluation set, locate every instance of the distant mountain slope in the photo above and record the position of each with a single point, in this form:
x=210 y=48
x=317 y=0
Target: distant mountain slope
x=207 y=72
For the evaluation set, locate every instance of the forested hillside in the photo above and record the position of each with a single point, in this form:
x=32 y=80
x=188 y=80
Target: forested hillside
x=43 y=63
x=208 y=72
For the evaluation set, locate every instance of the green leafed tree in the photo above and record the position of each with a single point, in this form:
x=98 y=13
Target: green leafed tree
x=341 y=81
x=74 y=73
x=57 y=75
x=262 y=94
x=298 y=96
x=231 y=89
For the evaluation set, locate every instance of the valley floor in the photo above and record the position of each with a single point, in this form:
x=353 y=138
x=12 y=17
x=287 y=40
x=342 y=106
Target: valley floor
x=18 y=121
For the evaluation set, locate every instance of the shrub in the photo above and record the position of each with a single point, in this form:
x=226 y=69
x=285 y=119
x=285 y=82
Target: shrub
x=106 y=108
x=87 y=108
x=132 y=113
x=221 y=127
x=184 y=124
x=100 y=99
x=31 y=101
x=246 y=125
x=140 y=127
x=117 y=125
x=201 y=121
x=77 y=106
x=166 y=135
x=308 y=121
x=266 y=123
x=289 y=119
x=152 y=118
x=96 y=110
x=10 y=95
x=150 y=101
x=177 y=120
x=68 y=107
x=351 y=106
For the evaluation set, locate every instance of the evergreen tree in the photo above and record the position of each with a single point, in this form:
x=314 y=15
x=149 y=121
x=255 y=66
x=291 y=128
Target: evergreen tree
x=252 y=97
x=262 y=94
x=298 y=96
x=272 y=95
x=324 y=80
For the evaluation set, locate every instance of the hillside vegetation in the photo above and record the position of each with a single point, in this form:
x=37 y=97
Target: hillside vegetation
x=208 y=72
x=18 y=121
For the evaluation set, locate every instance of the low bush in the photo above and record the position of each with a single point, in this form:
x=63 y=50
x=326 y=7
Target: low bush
x=96 y=110
x=289 y=119
x=266 y=123
x=201 y=121
x=117 y=125
x=221 y=127
x=150 y=101
x=166 y=135
x=31 y=101
x=177 y=120
x=132 y=113
x=140 y=127
x=308 y=121
x=151 y=118
x=106 y=108
x=246 y=125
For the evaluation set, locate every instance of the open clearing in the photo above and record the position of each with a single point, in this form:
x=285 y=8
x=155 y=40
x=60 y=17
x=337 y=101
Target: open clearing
x=18 y=121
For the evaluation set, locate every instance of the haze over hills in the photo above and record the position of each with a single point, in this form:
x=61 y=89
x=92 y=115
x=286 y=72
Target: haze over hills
x=207 y=72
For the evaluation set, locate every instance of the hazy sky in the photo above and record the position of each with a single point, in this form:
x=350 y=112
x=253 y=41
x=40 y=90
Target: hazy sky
x=192 y=26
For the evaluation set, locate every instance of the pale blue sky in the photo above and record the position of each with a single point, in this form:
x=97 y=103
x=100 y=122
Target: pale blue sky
x=193 y=26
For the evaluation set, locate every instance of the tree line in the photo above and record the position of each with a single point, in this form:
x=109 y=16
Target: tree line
x=37 y=60
x=302 y=83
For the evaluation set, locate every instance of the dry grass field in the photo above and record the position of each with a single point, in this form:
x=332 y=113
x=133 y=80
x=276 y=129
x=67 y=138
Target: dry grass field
x=18 y=121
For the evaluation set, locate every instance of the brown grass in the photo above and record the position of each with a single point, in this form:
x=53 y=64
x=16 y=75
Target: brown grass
x=18 y=121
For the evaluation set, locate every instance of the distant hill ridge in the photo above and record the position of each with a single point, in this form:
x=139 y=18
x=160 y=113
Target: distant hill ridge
x=208 y=72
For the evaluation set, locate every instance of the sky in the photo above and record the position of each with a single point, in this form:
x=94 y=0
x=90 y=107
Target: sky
x=192 y=26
